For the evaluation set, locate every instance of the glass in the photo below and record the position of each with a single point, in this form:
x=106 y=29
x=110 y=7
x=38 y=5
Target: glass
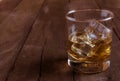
x=89 y=40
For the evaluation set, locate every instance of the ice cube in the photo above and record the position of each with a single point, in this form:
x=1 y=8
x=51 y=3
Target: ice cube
x=107 y=33
x=81 y=45
x=82 y=49
x=97 y=31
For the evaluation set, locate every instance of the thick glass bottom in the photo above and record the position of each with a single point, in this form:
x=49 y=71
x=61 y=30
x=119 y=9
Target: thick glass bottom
x=88 y=67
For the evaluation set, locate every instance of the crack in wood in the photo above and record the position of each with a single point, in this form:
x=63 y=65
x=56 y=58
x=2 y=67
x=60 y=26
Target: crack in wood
x=43 y=49
x=97 y=4
x=41 y=60
x=115 y=31
x=73 y=74
x=109 y=78
x=69 y=1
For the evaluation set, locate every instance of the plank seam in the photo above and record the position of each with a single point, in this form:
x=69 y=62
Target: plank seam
x=115 y=31
x=69 y=1
x=44 y=45
x=41 y=60
x=97 y=4
x=73 y=76
x=23 y=43
x=19 y=50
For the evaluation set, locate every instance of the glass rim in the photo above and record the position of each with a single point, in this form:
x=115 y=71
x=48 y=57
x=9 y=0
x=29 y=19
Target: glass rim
x=85 y=10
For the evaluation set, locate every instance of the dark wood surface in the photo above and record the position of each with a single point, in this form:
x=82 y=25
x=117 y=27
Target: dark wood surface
x=33 y=40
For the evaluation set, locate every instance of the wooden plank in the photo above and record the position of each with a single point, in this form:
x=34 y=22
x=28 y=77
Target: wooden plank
x=109 y=74
x=43 y=57
x=54 y=61
x=13 y=32
x=27 y=66
x=6 y=7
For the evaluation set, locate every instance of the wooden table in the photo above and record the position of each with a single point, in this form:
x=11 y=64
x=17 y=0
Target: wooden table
x=33 y=40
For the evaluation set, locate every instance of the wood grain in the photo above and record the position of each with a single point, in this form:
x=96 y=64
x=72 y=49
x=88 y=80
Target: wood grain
x=54 y=58
x=14 y=30
x=43 y=57
x=6 y=7
x=27 y=66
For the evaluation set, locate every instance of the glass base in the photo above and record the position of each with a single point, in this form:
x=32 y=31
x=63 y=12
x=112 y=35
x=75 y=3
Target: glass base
x=88 y=67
